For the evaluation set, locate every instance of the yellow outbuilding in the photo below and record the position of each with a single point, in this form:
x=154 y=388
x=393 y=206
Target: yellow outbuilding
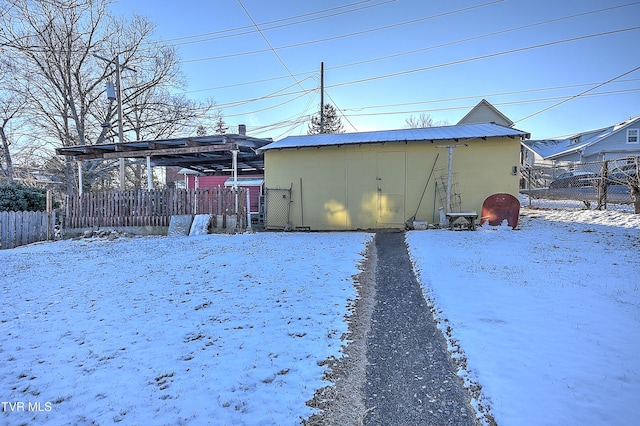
x=387 y=179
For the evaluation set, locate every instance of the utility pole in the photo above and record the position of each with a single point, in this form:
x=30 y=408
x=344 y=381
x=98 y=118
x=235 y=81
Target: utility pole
x=120 y=126
x=321 y=97
x=116 y=62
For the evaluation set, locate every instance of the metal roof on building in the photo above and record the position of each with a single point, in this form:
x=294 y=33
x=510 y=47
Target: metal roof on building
x=199 y=153
x=555 y=148
x=430 y=134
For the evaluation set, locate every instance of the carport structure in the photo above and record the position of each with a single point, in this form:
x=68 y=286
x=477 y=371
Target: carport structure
x=236 y=153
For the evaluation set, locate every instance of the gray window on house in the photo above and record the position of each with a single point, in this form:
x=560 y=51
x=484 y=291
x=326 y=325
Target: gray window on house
x=632 y=135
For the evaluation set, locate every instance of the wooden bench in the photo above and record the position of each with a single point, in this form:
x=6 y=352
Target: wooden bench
x=462 y=220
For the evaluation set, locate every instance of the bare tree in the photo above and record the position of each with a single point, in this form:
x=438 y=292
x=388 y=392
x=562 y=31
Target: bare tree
x=50 y=44
x=11 y=106
x=8 y=110
x=422 y=121
x=53 y=44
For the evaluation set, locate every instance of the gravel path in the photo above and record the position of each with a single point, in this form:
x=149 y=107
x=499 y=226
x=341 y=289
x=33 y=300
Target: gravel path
x=410 y=379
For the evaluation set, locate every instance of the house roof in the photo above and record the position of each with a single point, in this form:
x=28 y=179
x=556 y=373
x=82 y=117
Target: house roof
x=550 y=149
x=431 y=134
x=484 y=109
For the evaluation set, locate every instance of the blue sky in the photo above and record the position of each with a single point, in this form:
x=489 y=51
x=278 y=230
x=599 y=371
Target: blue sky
x=386 y=60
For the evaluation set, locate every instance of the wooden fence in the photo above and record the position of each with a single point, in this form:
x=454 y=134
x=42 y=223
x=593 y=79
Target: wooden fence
x=20 y=228
x=149 y=207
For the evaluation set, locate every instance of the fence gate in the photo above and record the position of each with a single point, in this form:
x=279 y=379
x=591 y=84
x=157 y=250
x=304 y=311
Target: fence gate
x=277 y=207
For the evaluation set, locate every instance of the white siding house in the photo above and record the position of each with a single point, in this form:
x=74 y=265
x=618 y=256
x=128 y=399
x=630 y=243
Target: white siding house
x=617 y=141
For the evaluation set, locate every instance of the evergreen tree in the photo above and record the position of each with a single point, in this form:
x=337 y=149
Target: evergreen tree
x=201 y=130
x=332 y=123
x=220 y=127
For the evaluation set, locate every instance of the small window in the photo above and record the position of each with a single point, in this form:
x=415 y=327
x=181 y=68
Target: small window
x=632 y=135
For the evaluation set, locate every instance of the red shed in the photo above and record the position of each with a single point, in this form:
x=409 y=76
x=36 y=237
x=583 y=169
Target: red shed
x=254 y=184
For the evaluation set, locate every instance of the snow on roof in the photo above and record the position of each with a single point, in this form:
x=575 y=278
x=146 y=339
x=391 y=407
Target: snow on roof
x=245 y=181
x=441 y=133
x=550 y=148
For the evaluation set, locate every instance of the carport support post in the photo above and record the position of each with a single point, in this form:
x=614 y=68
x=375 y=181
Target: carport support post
x=234 y=154
x=248 y=210
x=80 y=183
x=149 y=174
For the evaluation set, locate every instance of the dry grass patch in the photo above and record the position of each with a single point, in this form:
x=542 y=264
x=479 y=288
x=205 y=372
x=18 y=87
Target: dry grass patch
x=343 y=402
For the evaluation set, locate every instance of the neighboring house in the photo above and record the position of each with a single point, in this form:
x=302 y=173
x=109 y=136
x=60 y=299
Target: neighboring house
x=617 y=141
x=252 y=183
x=484 y=112
x=383 y=179
x=37 y=178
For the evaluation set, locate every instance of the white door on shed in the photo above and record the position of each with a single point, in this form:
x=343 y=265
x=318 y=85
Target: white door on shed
x=391 y=181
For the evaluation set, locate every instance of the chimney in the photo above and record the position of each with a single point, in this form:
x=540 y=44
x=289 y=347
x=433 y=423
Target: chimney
x=242 y=129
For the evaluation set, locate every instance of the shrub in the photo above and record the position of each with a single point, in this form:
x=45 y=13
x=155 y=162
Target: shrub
x=17 y=197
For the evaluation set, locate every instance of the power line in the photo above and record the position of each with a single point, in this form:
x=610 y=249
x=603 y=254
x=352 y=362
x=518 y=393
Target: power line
x=411 y=52
x=264 y=80
x=381 y=28
x=269 y=96
x=578 y=95
x=268 y=108
x=303 y=116
x=265 y=25
x=345 y=111
x=465 y=40
x=491 y=55
x=489 y=95
x=342 y=113
x=275 y=52
x=465 y=107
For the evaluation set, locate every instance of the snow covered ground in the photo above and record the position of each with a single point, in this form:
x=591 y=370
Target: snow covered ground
x=213 y=329
x=220 y=329
x=547 y=317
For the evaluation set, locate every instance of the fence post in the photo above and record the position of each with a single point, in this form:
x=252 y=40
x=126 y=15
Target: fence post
x=49 y=212
x=4 y=230
x=602 y=187
x=248 y=209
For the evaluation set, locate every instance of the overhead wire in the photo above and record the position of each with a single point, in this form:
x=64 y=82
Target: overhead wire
x=487 y=95
x=380 y=28
x=275 y=52
x=466 y=60
x=274 y=94
x=481 y=36
x=406 y=53
x=266 y=25
x=466 y=106
x=578 y=95
x=486 y=56
x=267 y=108
x=490 y=55
x=341 y=112
x=305 y=118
